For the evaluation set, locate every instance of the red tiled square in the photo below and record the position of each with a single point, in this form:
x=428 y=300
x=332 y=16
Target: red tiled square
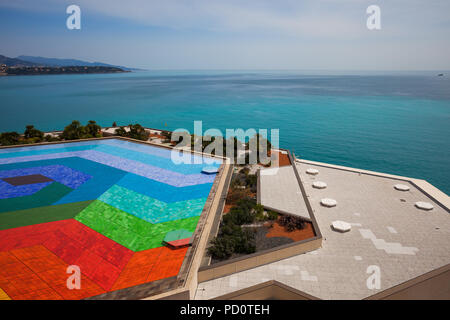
x=54 y=243
x=78 y=232
x=111 y=251
x=88 y=263
x=71 y=252
x=64 y=247
x=106 y=274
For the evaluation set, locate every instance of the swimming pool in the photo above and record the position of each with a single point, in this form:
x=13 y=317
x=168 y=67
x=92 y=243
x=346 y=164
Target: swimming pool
x=102 y=205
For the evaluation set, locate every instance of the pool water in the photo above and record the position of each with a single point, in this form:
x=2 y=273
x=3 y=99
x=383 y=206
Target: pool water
x=103 y=205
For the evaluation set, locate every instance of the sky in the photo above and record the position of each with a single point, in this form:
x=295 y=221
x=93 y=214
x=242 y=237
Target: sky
x=233 y=34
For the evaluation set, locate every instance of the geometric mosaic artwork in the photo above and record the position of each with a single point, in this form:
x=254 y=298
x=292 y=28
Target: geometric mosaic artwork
x=105 y=206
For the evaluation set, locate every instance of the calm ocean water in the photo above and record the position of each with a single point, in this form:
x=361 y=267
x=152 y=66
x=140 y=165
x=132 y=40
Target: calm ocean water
x=395 y=123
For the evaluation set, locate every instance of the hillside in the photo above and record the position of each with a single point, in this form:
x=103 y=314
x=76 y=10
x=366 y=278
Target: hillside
x=56 y=62
x=15 y=62
x=44 y=70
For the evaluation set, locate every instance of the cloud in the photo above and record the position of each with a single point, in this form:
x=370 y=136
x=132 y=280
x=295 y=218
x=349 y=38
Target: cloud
x=256 y=33
x=290 y=18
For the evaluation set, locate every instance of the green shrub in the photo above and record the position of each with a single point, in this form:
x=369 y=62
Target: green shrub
x=92 y=129
x=251 y=180
x=238 y=216
x=136 y=131
x=245 y=171
x=9 y=138
x=73 y=131
x=229 y=229
x=246 y=203
x=245 y=242
x=272 y=215
x=232 y=238
x=221 y=247
x=259 y=213
x=235 y=195
x=32 y=133
x=50 y=138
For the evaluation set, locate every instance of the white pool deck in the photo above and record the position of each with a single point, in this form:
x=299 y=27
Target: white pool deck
x=388 y=232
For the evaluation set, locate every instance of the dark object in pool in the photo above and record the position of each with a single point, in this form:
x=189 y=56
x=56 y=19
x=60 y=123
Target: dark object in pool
x=30 y=179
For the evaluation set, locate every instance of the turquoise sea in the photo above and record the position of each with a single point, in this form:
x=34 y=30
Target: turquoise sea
x=394 y=123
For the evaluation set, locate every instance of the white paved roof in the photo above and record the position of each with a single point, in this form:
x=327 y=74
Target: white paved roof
x=388 y=232
x=279 y=190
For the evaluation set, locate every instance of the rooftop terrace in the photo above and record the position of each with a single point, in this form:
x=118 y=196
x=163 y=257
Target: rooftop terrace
x=388 y=231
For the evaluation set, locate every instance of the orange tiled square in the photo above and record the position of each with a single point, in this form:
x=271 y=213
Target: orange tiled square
x=31 y=252
x=143 y=258
x=41 y=264
x=56 y=276
x=88 y=289
x=7 y=287
x=12 y=270
x=26 y=284
x=131 y=277
x=168 y=264
x=6 y=257
x=45 y=294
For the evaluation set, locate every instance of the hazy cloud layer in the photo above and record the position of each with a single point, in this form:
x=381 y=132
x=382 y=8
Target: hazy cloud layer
x=258 y=34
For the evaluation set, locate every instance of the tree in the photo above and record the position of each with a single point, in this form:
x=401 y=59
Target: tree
x=121 y=132
x=136 y=131
x=9 y=138
x=50 y=138
x=92 y=130
x=31 y=132
x=73 y=131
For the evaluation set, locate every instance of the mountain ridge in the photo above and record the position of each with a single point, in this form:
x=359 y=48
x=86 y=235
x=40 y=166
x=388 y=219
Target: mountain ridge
x=15 y=62
x=31 y=61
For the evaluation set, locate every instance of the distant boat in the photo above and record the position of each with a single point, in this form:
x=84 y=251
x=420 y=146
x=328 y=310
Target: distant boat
x=440 y=75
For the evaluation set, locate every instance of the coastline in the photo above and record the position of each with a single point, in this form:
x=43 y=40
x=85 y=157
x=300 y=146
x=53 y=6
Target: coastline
x=38 y=71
